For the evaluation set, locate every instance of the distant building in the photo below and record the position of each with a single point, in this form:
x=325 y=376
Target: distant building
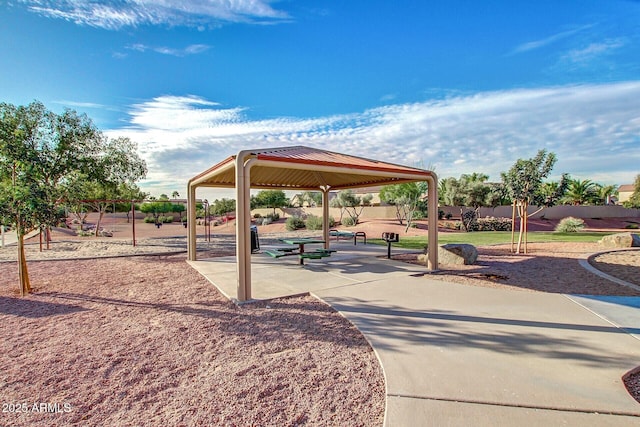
x=625 y=192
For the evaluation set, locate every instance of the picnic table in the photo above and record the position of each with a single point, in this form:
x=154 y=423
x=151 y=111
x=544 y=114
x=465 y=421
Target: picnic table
x=301 y=241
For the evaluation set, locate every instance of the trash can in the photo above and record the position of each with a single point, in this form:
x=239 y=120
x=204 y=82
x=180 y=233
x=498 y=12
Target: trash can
x=255 y=243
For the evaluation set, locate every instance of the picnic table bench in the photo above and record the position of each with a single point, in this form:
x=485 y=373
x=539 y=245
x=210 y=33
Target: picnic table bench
x=348 y=235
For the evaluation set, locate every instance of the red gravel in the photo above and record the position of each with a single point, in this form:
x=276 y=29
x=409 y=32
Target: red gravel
x=148 y=341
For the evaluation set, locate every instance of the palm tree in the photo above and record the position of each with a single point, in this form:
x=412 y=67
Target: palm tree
x=580 y=192
x=175 y=195
x=604 y=193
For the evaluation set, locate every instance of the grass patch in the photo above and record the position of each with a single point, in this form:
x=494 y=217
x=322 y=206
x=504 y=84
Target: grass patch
x=483 y=238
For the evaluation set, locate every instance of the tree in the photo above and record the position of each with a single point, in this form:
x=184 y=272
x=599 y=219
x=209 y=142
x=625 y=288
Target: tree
x=156 y=208
x=175 y=195
x=551 y=193
x=350 y=203
x=223 y=206
x=522 y=182
x=39 y=150
x=271 y=199
x=114 y=173
x=405 y=197
x=634 y=200
x=580 y=192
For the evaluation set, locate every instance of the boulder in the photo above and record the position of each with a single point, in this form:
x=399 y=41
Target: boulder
x=455 y=254
x=620 y=240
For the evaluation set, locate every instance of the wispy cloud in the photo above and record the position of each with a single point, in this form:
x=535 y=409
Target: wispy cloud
x=113 y=15
x=537 y=44
x=164 y=50
x=79 y=104
x=594 y=130
x=593 y=51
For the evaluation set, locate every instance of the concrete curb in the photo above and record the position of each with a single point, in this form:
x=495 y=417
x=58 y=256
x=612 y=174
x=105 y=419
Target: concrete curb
x=587 y=266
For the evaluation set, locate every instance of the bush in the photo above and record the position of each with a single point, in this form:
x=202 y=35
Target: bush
x=294 y=223
x=569 y=225
x=149 y=219
x=313 y=222
x=273 y=216
x=257 y=215
x=493 y=224
x=632 y=226
x=266 y=220
x=348 y=221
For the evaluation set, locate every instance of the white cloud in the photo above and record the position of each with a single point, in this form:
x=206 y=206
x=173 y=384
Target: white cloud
x=189 y=50
x=114 y=15
x=593 y=129
x=537 y=44
x=593 y=51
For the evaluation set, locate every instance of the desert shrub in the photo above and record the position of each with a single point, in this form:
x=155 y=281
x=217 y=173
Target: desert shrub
x=313 y=222
x=294 y=223
x=168 y=219
x=448 y=215
x=452 y=225
x=149 y=219
x=266 y=220
x=348 y=221
x=257 y=215
x=440 y=214
x=273 y=216
x=493 y=224
x=569 y=225
x=632 y=226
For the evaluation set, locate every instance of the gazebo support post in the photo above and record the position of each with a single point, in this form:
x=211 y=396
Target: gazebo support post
x=191 y=222
x=432 y=210
x=325 y=215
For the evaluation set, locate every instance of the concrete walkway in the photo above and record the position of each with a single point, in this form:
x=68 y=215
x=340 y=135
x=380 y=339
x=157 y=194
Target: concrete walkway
x=463 y=355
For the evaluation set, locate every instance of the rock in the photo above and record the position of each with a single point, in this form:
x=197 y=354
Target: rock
x=620 y=240
x=455 y=253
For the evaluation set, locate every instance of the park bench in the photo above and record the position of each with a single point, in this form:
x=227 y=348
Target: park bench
x=349 y=235
x=276 y=254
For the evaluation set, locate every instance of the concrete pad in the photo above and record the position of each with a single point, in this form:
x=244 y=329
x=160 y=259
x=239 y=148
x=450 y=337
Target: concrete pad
x=444 y=341
x=623 y=312
x=281 y=277
x=403 y=411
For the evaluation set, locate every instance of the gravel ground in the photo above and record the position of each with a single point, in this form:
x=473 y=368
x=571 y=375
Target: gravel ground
x=148 y=341
x=139 y=342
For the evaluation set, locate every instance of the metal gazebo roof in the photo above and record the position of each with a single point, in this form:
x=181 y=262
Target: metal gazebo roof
x=299 y=168
x=305 y=168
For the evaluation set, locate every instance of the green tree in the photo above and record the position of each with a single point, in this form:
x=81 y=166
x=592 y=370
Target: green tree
x=351 y=204
x=223 y=206
x=114 y=173
x=175 y=195
x=551 y=193
x=39 y=150
x=405 y=197
x=580 y=192
x=522 y=182
x=271 y=199
x=634 y=200
x=156 y=208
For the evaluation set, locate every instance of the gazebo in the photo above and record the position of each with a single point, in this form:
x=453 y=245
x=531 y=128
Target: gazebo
x=302 y=169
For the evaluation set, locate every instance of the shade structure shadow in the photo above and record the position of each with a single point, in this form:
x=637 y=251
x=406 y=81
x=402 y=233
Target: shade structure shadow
x=281 y=277
x=33 y=308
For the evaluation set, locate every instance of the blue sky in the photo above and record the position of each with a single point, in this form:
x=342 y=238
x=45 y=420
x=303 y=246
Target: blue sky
x=460 y=86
